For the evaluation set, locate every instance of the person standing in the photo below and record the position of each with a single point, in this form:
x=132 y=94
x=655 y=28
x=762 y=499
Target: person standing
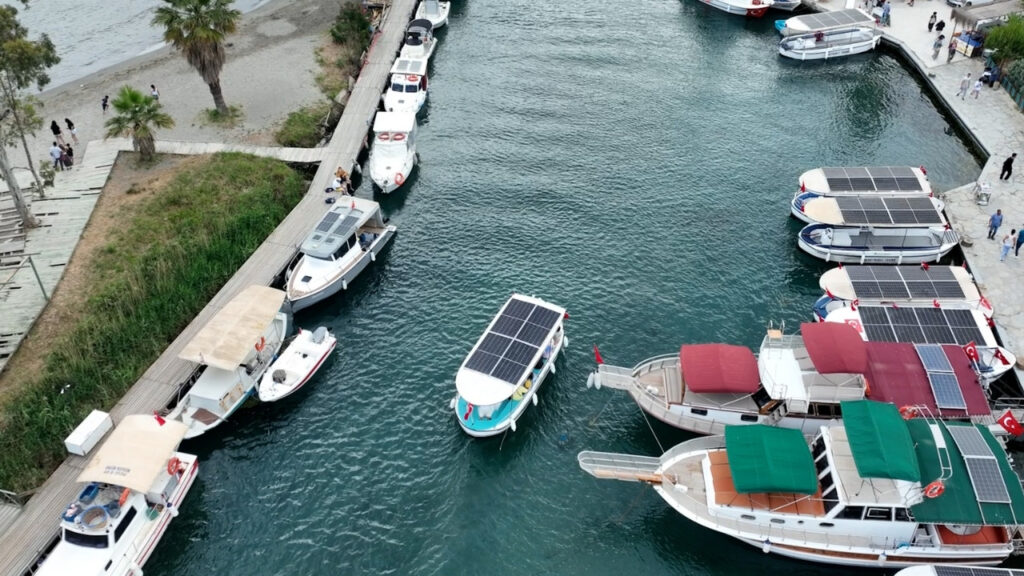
x=937 y=46
x=886 y=10
x=965 y=85
x=154 y=92
x=931 y=20
x=1020 y=242
x=952 y=50
x=994 y=222
x=57 y=133
x=940 y=25
x=105 y=103
x=56 y=153
x=976 y=91
x=69 y=154
x=1007 y=168
x=1008 y=241
x=71 y=128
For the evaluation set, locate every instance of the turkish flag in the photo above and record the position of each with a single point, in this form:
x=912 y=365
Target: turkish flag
x=159 y=419
x=469 y=410
x=597 y=355
x=829 y=294
x=924 y=265
x=936 y=303
x=1010 y=424
x=999 y=354
x=803 y=187
x=971 y=349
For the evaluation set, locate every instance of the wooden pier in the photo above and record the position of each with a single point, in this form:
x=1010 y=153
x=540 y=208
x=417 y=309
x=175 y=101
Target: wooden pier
x=36 y=526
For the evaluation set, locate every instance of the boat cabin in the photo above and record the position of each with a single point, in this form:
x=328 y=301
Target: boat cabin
x=337 y=233
x=864 y=180
x=408 y=78
x=394 y=132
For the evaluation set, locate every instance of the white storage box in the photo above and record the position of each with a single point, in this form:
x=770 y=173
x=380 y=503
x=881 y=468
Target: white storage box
x=89 y=433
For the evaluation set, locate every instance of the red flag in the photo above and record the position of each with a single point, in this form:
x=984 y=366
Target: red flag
x=999 y=354
x=829 y=294
x=935 y=303
x=854 y=304
x=803 y=187
x=159 y=419
x=565 y=316
x=946 y=226
x=923 y=171
x=1011 y=424
x=991 y=323
x=971 y=349
x=353 y=206
x=597 y=355
x=924 y=265
x=894 y=305
x=985 y=303
x=964 y=265
x=840 y=265
x=469 y=410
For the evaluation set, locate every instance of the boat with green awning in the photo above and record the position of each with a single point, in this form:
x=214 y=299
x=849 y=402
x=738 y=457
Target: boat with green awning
x=876 y=490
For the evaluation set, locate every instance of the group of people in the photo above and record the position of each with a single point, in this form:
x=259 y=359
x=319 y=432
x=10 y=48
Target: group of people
x=61 y=152
x=965 y=87
x=938 y=26
x=1015 y=239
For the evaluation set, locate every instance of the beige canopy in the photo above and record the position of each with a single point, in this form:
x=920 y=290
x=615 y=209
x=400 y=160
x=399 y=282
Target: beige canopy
x=135 y=454
x=228 y=339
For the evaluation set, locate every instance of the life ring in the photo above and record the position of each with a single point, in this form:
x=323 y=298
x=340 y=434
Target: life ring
x=908 y=412
x=756 y=2
x=399 y=178
x=935 y=489
x=412 y=78
x=384 y=136
x=398 y=137
x=174 y=465
x=261 y=344
x=124 y=497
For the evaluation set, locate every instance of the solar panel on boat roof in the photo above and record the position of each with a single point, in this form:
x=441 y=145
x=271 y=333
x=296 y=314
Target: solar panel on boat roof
x=946 y=390
x=348 y=225
x=507 y=350
x=901 y=282
x=941 y=570
x=872 y=178
x=328 y=220
x=970 y=441
x=933 y=357
x=875 y=210
x=920 y=325
x=987 y=479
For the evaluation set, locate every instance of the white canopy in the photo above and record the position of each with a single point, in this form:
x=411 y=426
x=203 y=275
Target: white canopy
x=231 y=336
x=135 y=454
x=481 y=389
x=394 y=122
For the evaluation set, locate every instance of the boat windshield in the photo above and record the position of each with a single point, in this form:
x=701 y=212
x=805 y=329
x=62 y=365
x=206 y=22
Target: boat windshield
x=85 y=540
x=411 y=88
x=395 y=86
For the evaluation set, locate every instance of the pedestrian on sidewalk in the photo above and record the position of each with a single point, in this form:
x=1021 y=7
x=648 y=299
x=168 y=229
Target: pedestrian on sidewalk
x=931 y=20
x=976 y=91
x=886 y=9
x=1008 y=169
x=72 y=129
x=965 y=85
x=937 y=46
x=56 y=153
x=994 y=222
x=105 y=103
x=940 y=26
x=57 y=133
x=1007 y=244
x=1020 y=242
x=952 y=50
x=154 y=92
x=65 y=158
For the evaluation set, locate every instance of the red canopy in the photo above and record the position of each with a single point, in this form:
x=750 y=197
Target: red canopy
x=719 y=368
x=834 y=348
x=896 y=375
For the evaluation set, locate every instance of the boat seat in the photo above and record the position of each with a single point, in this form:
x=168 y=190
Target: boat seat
x=205 y=416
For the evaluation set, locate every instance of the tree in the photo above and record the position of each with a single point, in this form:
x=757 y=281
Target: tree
x=135 y=116
x=23 y=62
x=1007 y=40
x=198 y=28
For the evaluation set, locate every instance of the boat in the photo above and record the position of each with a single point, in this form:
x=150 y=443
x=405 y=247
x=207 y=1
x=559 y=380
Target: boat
x=419 y=40
x=407 y=91
x=134 y=486
x=507 y=365
x=751 y=8
x=787 y=5
x=874 y=245
x=967 y=328
x=876 y=490
x=865 y=180
x=826 y=44
x=906 y=286
x=796 y=381
x=393 y=153
x=434 y=11
x=348 y=237
x=232 y=350
x=868 y=210
x=301 y=359
x=824 y=21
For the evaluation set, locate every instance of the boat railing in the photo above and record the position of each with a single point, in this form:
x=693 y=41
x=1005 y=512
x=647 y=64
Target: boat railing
x=695 y=445
x=625 y=467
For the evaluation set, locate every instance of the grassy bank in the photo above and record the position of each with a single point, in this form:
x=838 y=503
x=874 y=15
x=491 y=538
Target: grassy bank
x=169 y=255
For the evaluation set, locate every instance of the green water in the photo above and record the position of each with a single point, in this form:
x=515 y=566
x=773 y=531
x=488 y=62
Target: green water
x=630 y=161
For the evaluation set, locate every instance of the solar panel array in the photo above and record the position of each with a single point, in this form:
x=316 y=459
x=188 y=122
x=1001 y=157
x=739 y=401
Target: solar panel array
x=509 y=347
x=982 y=466
x=410 y=66
x=945 y=386
x=920 y=325
x=872 y=179
x=941 y=570
x=911 y=211
x=904 y=282
x=328 y=220
x=348 y=225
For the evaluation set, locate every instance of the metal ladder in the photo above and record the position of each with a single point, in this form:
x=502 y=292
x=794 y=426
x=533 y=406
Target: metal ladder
x=625 y=467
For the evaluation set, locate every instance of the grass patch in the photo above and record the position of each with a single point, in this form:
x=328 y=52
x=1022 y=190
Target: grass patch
x=304 y=127
x=229 y=120
x=339 y=58
x=172 y=253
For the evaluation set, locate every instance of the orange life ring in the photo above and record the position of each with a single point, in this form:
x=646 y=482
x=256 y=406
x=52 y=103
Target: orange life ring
x=867 y=387
x=935 y=489
x=412 y=78
x=261 y=344
x=756 y=2
x=908 y=412
x=398 y=137
x=399 y=178
x=384 y=136
x=124 y=497
x=174 y=465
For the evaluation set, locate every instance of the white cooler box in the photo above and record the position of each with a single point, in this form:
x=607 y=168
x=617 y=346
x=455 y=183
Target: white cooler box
x=89 y=433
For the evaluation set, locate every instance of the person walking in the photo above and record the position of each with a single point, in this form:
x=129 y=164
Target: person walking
x=976 y=91
x=965 y=85
x=65 y=159
x=72 y=129
x=940 y=25
x=937 y=46
x=1008 y=241
x=1020 y=242
x=154 y=92
x=105 y=103
x=931 y=20
x=886 y=10
x=994 y=222
x=57 y=133
x=952 y=50
x=56 y=153
x=1008 y=168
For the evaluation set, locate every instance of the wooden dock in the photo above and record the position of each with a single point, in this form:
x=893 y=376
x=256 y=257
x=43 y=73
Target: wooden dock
x=36 y=526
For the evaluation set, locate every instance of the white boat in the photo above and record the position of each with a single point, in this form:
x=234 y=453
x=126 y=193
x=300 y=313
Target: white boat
x=502 y=373
x=796 y=381
x=350 y=235
x=874 y=491
x=934 y=326
x=752 y=8
x=434 y=11
x=301 y=359
x=865 y=180
x=868 y=210
x=393 y=153
x=826 y=44
x=906 y=286
x=407 y=91
x=872 y=245
x=232 y=350
x=135 y=484
x=824 y=21
x=419 y=40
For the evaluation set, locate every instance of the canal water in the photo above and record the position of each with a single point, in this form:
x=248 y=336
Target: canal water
x=632 y=162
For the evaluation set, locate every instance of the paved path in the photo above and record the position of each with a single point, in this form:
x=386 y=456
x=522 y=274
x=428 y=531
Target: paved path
x=36 y=526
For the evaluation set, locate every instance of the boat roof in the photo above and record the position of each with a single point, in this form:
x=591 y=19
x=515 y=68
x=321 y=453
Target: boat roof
x=788 y=373
x=897 y=374
x=820 y=21
x=875 y=211
x=228 y=338
x=900 y=283
x=916 y=325
x=409 y=65
x=338 y=223
x=507 y=352
x=719 y=368
x=420 y=24
x=769 y=459
x=835 y=348
x=862 y=180
x=135 y=454
x=856 y=490
x=880 y=441
x=394 y=122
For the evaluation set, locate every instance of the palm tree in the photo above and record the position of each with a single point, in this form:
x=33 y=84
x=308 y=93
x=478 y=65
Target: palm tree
x=198 y=29
x=136 y=115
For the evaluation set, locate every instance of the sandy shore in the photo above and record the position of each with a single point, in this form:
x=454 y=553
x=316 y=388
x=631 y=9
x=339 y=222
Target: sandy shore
x=270 y=71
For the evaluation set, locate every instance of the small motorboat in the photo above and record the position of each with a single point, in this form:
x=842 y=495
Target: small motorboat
x=393 y=153
x=868 y=210
x=434 y=11
x=407 y=91
x=864 y=180
x=823 y=21
x=297 y=364
x=871 y=245
x=826 y=44
x=752 y=8
x=419 y=40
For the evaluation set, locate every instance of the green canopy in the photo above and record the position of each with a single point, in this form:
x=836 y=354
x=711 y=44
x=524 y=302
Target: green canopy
x=768 y=459
x=879 y=440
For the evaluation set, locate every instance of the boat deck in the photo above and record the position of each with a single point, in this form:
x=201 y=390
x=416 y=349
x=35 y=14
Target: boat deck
x=726 y=495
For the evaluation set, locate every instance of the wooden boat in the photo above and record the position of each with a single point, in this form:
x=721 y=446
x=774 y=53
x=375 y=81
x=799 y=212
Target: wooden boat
x=874 y=245
x=830 y=44
x=297 y=364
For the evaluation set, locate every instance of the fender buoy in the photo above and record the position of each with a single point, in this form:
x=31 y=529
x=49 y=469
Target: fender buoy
x=174 y=465
x=383 y=136
x=935 y=489
x=398 y=137
x=756 y=2
x=908 y=412
x=124 y=497
x=261 y=344
x=399 y=178
x=412 y=78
